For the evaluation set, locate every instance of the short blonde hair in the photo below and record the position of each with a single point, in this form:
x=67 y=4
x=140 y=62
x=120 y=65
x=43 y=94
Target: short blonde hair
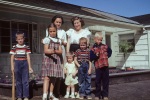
x=83 y=40
x=69 y=54
x=98 y=35
x=19 y=34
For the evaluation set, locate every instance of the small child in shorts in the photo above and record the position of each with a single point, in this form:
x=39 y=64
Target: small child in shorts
x=71 y=79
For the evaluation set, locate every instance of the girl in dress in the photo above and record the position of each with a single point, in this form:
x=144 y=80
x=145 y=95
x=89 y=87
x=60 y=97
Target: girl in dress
x=51 y=67
x=71 y=79
x=61 y=34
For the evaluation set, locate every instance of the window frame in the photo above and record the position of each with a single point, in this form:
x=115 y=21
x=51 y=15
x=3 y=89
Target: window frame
x=131 y=41
x=28 y=34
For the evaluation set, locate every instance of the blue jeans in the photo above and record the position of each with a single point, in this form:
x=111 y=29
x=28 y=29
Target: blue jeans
x=22 y=78
x=84 y=80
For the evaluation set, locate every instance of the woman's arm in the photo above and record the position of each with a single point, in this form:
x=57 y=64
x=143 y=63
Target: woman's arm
x=68 y=44
x=64 y=40
x=64 y=43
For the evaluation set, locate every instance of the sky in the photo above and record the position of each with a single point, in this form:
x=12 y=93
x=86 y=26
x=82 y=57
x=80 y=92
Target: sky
x=126 y=8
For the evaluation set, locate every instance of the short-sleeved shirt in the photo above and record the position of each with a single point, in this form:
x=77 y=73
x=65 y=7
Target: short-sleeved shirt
x=82 y=55
x=71 y=67
x=46 y=40
x=20 y=51
x=75 y=36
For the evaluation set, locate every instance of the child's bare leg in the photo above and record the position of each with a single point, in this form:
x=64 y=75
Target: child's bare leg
x=52 y=84
x=51 y=87
x=45 y=87
x=72 y=89
x=67 y=92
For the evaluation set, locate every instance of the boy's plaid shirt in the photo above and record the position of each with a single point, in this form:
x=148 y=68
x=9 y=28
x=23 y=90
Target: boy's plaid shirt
x=102 y=60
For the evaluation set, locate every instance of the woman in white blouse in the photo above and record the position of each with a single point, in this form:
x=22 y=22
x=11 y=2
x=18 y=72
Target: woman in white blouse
x=75 y=34
x=73 y=39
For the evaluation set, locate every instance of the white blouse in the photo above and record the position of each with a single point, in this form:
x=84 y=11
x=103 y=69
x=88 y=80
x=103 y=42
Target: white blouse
x=75 y=36
x=46 y=40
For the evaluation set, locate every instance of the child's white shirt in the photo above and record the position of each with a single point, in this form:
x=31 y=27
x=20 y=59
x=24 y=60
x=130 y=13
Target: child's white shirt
x=46 y=40
x=60 y=33
x=71 y=68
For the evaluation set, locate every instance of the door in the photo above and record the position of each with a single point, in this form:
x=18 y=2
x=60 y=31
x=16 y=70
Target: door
x=108 y=42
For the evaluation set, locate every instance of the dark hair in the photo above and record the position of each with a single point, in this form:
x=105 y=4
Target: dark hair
x=77 y=18
x=57 y=16
x=19 y=33
x=52 y=25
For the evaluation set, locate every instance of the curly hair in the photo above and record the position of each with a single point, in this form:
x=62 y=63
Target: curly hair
x=77 y=18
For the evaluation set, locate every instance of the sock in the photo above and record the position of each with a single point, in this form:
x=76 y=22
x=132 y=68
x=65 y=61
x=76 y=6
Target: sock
x=72 y=93
x=44 y=95
x=50 y=94
x=75 y=93
x=67 y=93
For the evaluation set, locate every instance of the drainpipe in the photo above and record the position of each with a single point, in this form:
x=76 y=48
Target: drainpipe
x=148 y=34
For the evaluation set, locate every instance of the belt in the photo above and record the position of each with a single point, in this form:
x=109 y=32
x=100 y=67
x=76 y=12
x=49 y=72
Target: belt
x=20 y=58
x=81 y=61
x=74 y=44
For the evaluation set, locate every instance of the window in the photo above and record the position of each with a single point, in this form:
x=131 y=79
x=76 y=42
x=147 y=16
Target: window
x=8 y=30
x=129 y=38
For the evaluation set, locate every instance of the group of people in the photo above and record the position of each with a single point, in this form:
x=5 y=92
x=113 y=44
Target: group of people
x=73 y=63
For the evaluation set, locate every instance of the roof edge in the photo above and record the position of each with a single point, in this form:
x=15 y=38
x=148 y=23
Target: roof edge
x=65 y=13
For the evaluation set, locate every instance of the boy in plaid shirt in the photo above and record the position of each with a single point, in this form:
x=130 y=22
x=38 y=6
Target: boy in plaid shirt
x=100 y=54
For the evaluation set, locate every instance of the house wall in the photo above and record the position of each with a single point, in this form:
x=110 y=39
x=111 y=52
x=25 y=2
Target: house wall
x=36 y=57
x=137 y=59
x=42 y=22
